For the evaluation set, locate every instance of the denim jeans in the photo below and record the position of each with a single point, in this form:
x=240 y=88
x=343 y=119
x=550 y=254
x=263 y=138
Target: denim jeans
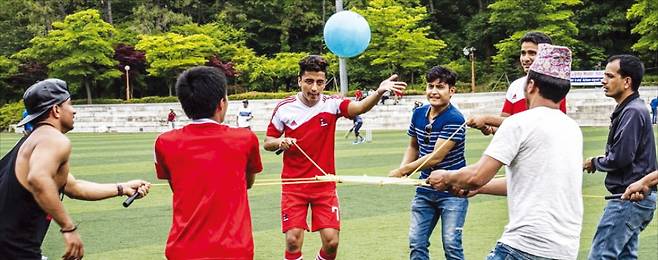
x=505 y=252
x=617 y=236
x=426 y=209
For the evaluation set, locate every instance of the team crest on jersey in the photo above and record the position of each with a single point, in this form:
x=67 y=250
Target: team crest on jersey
x=323 y=122
x=514 y=97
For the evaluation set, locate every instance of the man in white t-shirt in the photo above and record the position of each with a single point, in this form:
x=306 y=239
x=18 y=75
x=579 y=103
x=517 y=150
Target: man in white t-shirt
x=244 y=115
x=541 y=149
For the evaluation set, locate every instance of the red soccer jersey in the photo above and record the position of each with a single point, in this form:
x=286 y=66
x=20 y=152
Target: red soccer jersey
x=314 y=128
x=515 y=98
x=206 y=164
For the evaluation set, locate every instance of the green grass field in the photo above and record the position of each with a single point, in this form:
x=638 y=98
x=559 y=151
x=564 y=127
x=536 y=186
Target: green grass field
x=374 y=218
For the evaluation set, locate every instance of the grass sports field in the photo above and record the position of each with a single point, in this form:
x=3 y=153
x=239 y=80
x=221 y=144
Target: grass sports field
x=374 y=218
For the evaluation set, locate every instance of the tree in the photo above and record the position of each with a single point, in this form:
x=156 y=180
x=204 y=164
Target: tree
x=273 y=26
x=78 y=49
x=227 y=39
x=647 y=12
x=399 y=44
x=7 y=69
x=126 y=55
x=517 y=17
x=151 y=18
x=603 y=31
x=171 y=53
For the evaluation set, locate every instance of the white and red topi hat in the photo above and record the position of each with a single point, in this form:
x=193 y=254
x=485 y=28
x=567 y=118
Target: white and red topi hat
x=553 y=60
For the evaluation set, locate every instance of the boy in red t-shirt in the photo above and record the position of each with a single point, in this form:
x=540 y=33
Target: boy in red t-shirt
x=209 y=167
x=309 y=119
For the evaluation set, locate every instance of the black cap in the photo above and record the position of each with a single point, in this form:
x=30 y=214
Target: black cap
x=245 y=101
x=43 y=95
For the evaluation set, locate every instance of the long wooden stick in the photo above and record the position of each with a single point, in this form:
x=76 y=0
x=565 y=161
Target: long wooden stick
x=291 y=182
x=309 y=158
x=436 y=150
x=285 y=179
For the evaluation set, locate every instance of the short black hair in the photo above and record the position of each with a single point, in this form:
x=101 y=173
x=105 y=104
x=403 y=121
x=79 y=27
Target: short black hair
x=199 y=90
x=630 y=66
x=313 y=63
x=536 y=38
x=442 y=74
x=550 y=87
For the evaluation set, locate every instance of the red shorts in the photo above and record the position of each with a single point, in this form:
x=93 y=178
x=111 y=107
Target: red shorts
x=325 y=212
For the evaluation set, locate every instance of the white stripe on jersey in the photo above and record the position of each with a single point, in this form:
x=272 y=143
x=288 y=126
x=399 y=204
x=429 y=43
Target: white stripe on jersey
x=295 y=113
x=515 y=91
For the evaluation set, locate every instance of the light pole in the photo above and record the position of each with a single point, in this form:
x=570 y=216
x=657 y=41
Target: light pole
x=127 y=68
x=470 y=52
x=342 y=62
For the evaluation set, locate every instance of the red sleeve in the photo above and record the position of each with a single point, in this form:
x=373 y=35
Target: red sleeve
x=272 y=131
x=254 y=164
x=343 y=108
x=508 y=107
x=563 y=105
x=160 y=169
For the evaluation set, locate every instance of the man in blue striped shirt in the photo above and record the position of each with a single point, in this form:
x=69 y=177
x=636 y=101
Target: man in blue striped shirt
x=436 y=126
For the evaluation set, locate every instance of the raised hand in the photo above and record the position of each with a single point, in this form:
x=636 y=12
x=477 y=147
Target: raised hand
x=391 y=85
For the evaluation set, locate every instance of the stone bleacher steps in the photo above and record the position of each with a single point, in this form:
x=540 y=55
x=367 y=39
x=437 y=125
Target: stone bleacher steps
x=589 y=107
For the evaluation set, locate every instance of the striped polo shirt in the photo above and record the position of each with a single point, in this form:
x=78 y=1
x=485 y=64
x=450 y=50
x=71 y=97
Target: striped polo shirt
x=442 y=126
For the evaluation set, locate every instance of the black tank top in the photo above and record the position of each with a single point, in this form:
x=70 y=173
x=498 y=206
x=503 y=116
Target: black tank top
x=23 y=224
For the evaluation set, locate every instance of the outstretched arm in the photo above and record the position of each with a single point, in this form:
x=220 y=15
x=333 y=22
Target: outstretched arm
x=360 y=107
x=639 y=189
x=471 y=177
x=432 y=159
x=482 y=121
x=86 y=190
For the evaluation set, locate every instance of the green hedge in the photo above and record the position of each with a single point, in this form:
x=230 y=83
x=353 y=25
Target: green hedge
x=154 y=99
x=10 y=113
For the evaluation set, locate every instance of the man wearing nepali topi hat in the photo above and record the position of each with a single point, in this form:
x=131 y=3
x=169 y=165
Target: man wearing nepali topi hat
x=35 y=173
x=541 y=149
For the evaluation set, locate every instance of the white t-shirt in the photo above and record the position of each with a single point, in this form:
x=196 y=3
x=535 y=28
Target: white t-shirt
x=244 y=115
x=542 y=149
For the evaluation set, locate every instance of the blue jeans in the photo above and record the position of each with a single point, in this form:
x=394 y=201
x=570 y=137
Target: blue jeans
x=617 y=236
x=426 y=209
x=505 y=252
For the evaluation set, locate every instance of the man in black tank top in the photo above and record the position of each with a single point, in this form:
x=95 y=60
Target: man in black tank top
x=35 y=173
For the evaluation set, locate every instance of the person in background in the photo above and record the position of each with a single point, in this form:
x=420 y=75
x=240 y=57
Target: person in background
x=244 y=115
x=171 y=118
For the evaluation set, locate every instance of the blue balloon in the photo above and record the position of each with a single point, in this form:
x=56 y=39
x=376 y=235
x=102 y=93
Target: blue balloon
x=347 y=34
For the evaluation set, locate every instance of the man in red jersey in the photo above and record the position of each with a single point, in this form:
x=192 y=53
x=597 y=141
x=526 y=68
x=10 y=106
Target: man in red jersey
x=515 y=101
x=308 y=119
x=209 y=167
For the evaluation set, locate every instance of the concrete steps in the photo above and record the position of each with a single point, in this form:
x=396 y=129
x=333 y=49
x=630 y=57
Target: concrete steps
x=589 y=107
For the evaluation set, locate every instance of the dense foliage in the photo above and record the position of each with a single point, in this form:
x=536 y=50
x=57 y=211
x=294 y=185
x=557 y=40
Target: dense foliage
x=258 y=43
